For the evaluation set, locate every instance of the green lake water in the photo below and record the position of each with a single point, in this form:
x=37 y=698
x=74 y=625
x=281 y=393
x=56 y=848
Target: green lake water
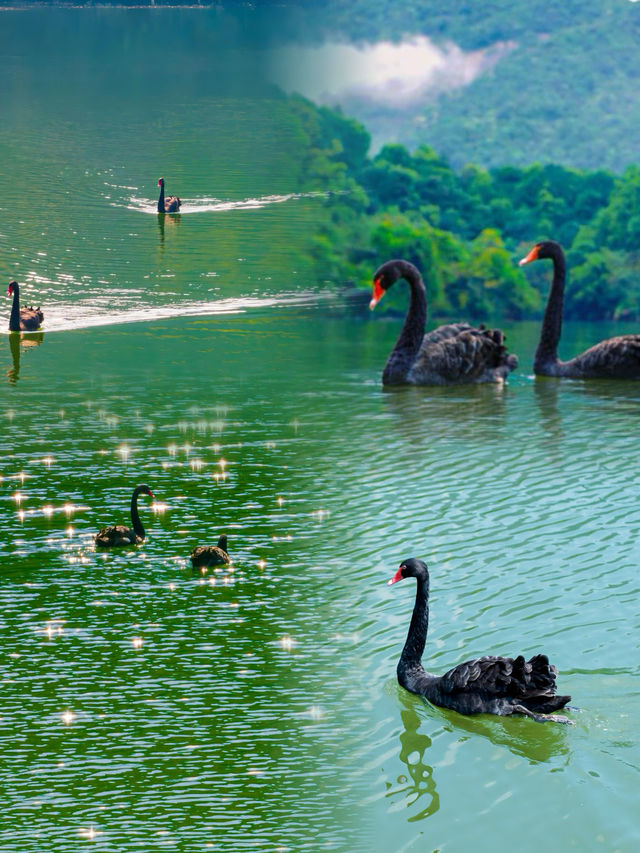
x=145 y=706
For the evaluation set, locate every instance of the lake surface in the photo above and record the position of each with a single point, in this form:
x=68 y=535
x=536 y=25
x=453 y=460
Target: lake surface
x=146 y=706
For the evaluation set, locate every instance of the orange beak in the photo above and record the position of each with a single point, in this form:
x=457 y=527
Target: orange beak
x=378 y=293
x=532 y=256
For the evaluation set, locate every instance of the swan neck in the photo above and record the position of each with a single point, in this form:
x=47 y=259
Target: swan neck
x=413 y=650
x=161 y=199
x=135 y=517
x=14 y=318
x=410 y=339
x=547 y=351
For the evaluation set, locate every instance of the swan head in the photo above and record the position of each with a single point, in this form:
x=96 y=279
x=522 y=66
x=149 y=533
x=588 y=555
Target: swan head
x=145 y=490
x=10 y=289
x=388 y=274
x=544 y=249
x=160 y=182
x=411 y=568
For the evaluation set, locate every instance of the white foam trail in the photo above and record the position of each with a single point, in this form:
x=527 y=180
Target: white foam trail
x=77 y=315
x=204 y=205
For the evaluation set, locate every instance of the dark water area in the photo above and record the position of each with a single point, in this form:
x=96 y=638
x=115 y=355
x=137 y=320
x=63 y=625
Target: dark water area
x=148 y=706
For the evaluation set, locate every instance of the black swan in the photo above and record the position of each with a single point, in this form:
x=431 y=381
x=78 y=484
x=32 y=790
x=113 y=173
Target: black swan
x=210 y=555
x=167 y=205
x=487 y=685
x=455 y=354
x=615 y=358
x=23 y=319
x=113 y=537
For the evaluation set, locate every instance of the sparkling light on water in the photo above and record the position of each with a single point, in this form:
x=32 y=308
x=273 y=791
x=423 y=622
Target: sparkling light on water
x=124 y=452
x=89 y=833
x=287 y=643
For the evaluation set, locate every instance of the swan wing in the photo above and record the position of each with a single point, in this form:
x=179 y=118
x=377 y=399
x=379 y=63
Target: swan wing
x=499 y=676
x=464 y=357
x=442 y=333
x=208 y=555
x=115 y=536
x=30 y=318
x=617 y=357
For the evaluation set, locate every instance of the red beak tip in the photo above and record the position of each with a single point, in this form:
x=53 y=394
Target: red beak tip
x=397 y=577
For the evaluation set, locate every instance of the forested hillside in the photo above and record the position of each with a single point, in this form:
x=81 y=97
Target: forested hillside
x=567 y=91
x=466 y=228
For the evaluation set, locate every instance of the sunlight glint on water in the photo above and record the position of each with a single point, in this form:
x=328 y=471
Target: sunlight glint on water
x=302 y=630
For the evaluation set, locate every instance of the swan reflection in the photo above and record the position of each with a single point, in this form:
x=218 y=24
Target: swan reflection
x=469 y=412
x=557 y=399
x=171 y=220
x=546 y=395
x=17 y=342
x=418 y=785
x=535 y=742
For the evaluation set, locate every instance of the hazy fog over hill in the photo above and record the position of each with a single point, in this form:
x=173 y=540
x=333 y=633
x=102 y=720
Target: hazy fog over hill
x=490 y=83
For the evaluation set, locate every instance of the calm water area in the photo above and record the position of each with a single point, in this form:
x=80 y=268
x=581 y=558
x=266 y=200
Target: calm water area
x=146 y=706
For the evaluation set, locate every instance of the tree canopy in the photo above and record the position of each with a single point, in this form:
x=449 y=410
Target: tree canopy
x=466 y=228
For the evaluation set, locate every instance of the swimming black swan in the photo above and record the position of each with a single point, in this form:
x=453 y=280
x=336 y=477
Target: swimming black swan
x=167 y=205
x=455 y=354
x=488 y=685
x=22 y=319
x=113 y=537
x=210 y=555
x=615 y=358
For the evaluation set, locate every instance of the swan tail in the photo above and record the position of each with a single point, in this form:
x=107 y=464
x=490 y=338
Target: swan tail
x=534 y=682
x=502 y=357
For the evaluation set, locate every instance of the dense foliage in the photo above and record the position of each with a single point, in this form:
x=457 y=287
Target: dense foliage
x=466 y=228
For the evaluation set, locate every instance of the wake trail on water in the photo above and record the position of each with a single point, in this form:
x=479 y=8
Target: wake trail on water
x=66 y=317
x=212 y=204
